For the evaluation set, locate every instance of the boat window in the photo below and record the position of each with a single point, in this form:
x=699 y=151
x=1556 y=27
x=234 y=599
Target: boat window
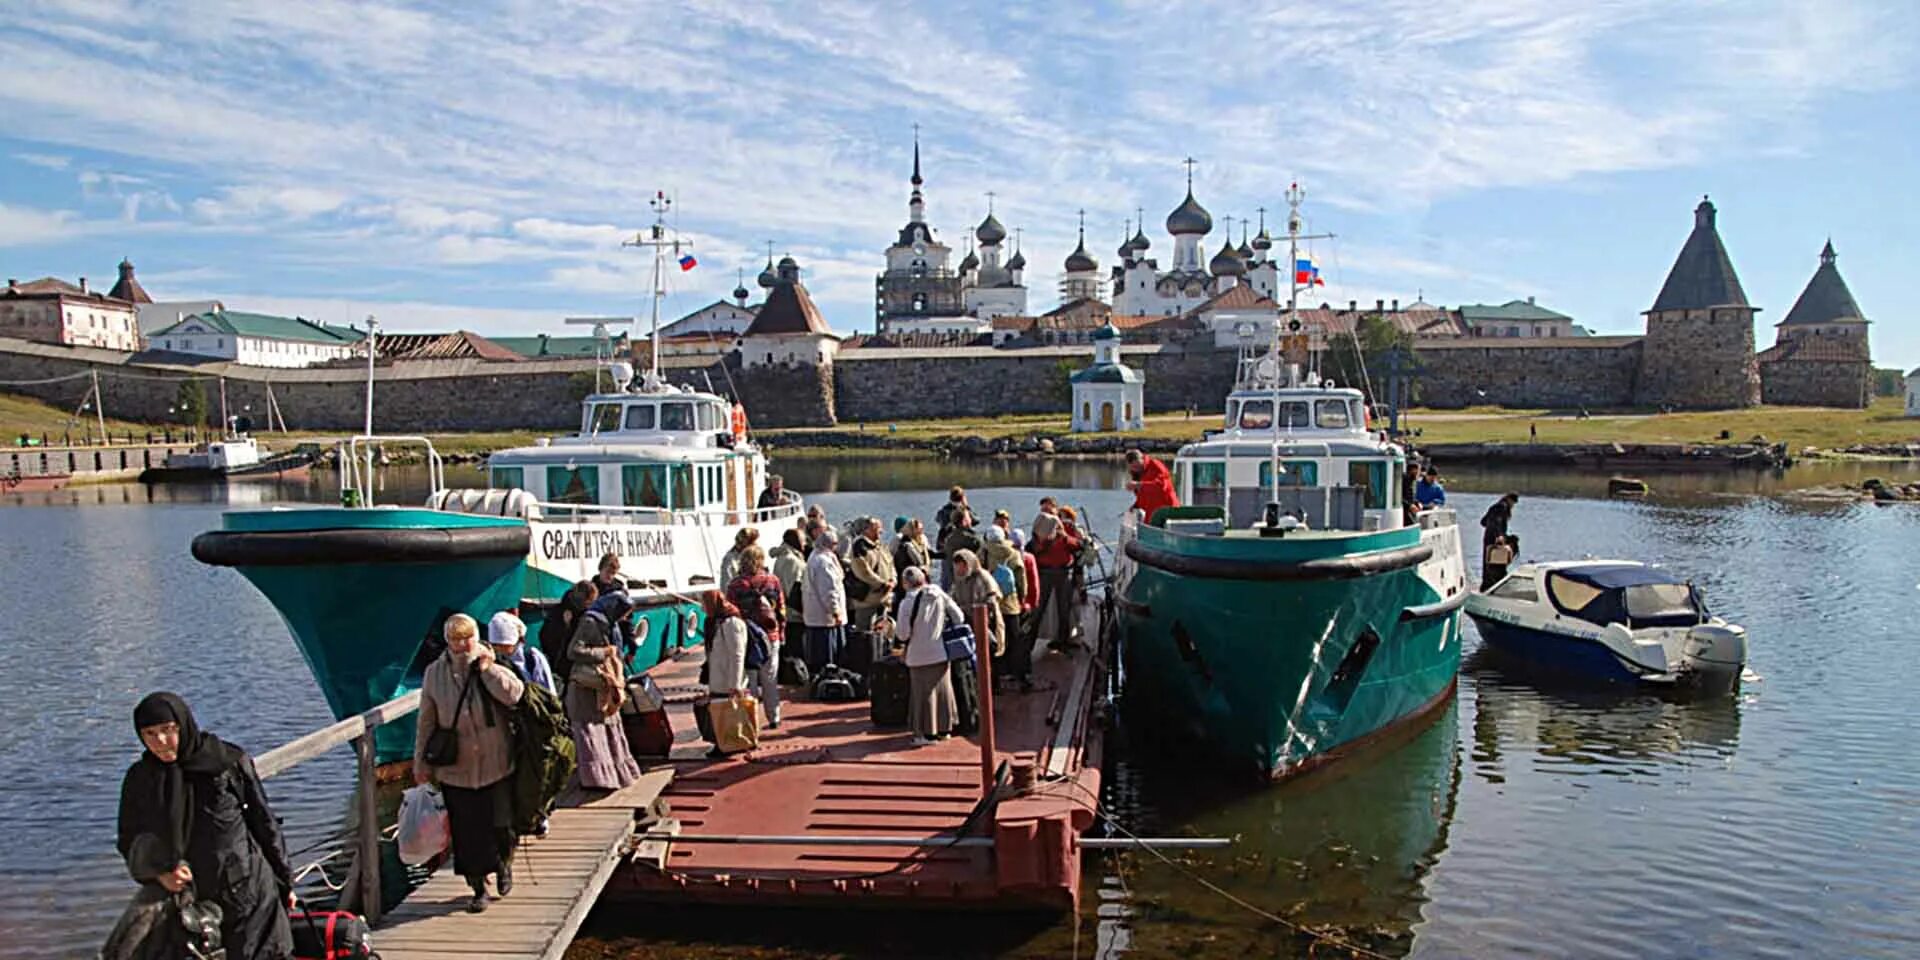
x=606 y=418
x=1371 y=474
x=1256 y=415
x=573 y=484
x=1293 y=473
x=1293 y=414
x=1661 y=604
x=644 y=484
x=676 y=416
x=640 y=416
x=1517 y=588
x=508 y=478
x=682 y=486
x=708 y=421
x=1209 y=483
x=1572 y=596
x=1333 y=414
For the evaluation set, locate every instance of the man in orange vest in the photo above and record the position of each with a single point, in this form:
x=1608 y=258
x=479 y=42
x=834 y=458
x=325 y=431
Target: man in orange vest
x=1152 y=485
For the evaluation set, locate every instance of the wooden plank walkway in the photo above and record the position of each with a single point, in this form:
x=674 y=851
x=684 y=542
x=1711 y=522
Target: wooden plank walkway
x=556 y=880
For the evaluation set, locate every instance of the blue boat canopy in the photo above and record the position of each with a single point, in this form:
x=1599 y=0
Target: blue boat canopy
x=1614 y=576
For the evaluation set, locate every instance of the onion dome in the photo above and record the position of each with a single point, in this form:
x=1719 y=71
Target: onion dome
x=1262 y=241
x=1019 y=261
x=1246 y=251
x=740 y=292
x=970 y=262
x=768 y=278
x=1080 y=261
x=1108 y=332
x=1227 y=262
x=1140 y=243
x=1189 y=218
x=1126 y=250
x=990 y=230
x=787 y=271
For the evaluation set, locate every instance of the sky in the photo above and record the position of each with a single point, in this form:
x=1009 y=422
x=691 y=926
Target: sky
x=475 y=165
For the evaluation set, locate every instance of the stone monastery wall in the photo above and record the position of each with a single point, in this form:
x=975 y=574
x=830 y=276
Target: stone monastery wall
x=1562 y=372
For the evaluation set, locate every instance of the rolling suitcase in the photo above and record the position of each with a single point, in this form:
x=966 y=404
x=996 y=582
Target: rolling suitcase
x=966 y=696
x=857 y=654
x=888 y=688
x=649 y=734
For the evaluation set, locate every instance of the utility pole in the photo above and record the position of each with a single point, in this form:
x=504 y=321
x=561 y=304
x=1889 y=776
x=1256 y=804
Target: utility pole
x=99 y=414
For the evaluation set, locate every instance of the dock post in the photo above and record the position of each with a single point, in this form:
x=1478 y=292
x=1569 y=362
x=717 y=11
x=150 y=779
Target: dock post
x=368 y=855
x=983 y=673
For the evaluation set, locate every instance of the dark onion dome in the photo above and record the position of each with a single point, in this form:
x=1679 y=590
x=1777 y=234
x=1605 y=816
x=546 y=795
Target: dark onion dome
x=1246 y=251
x=1140 y=243
x=969 y=262
x=1189 y=217
x=740 y=292
x=1108 y=332
x=1019 y=261
x=1261 y=241
x=990 y=231
x=1126 y=250
x=1227 y=262
x=767 y=277
x=1080 y=261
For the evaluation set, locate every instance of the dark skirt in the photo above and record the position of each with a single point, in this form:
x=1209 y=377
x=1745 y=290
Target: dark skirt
x=482 y=825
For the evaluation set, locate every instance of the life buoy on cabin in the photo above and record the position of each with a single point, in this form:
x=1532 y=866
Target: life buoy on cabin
x=739 y=422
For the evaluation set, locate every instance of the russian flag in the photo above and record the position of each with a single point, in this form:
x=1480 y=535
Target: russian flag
x=687 y=262
x=1307 y=273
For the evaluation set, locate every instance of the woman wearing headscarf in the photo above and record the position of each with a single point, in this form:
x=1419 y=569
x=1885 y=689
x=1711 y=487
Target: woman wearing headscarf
x=912 y=549
x=726 y=664
x=973 y=586
x=468 y=692
x=595 y=688
x=193 y=816
x=761 y=600
x=925 y=614
x=556 y=631
x=506 y=634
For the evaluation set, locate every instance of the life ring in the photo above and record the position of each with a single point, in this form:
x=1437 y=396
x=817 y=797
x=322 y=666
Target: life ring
x=739 y=421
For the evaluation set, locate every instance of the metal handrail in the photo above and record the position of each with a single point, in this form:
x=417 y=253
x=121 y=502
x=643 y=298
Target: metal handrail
x=363 y=886
x=356 y=466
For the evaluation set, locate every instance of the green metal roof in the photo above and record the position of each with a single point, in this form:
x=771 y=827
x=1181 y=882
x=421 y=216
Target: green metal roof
x=1107 y=373
x=267 y=326
x=1513 y=311
x=549 y=346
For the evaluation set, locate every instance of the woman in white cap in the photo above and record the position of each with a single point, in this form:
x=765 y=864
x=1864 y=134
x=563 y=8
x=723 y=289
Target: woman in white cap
x=507 y=634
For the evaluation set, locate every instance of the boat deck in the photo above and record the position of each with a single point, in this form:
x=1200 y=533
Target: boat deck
x=837 y=791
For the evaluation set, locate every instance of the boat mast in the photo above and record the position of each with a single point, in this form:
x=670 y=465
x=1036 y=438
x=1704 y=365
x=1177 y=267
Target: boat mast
x=656 y=237
x=1295 y=196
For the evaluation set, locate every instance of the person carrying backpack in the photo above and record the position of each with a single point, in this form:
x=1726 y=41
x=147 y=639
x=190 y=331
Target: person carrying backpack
x=539 y=737
x=763 y=603
x=1007 y=566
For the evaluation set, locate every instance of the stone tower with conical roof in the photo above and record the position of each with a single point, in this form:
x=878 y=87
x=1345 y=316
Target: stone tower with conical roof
x=1698 y=352
x=918 y=285
x=1820 y=355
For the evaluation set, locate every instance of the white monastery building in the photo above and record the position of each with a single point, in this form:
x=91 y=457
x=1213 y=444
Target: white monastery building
x=258 y=339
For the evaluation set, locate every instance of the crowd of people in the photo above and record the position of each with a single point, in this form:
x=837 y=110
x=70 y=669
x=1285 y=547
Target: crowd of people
x=195 y=819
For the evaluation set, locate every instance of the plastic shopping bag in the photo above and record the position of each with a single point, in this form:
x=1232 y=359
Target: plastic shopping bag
x=424 y=830
x=736 y=722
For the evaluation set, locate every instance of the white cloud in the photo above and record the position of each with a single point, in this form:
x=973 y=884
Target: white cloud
x=45 y=161
x=26 y=226
x=428 y=218
x=256 y=202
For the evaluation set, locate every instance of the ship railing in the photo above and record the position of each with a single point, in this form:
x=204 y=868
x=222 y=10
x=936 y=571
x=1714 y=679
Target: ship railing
x=361 y=892
x=356 y=466
x=664 y=516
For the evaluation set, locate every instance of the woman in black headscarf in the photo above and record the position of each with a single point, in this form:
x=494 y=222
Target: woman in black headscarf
x=193 y=815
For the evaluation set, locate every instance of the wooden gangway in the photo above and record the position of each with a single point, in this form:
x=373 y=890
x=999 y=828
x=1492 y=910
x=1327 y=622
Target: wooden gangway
x=556 y=880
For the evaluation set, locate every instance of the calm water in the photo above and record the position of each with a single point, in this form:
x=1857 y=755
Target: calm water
x=1523 y=822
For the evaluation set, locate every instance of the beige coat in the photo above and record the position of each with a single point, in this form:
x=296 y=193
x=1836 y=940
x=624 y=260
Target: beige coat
x=484 y=750
x=978 y=588
x=870 y=563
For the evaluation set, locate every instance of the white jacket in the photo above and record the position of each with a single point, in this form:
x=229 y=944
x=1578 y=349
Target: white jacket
x=727 y=657
x=825 y=590
x=925 y=614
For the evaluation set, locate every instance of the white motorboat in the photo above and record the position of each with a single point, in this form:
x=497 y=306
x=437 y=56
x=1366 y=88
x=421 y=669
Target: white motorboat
x=1615 y=621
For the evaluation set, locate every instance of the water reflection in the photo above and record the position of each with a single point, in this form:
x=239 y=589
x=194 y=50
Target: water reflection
x=1346 y=850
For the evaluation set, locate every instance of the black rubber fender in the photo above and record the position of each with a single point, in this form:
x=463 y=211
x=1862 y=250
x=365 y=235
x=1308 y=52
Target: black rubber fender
x=299 y=548
x=1328 y=568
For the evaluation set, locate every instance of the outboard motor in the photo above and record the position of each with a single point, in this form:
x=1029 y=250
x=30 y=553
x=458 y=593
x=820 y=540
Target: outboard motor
x=1716 y=653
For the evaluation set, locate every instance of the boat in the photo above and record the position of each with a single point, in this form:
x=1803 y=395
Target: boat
x=234 y=457
x=1295 y=608
x=1610 y=621
x=664 y=477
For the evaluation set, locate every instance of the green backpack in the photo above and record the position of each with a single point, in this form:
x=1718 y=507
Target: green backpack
x=543 y=756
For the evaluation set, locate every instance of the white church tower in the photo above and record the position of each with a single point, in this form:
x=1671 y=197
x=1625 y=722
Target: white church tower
x=1082 y=278
x=993 y=289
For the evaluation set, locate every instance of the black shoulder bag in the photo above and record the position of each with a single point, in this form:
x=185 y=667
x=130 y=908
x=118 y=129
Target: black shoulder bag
x=443 y=744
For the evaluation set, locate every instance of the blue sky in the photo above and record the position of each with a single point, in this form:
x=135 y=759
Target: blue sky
x=475 y=165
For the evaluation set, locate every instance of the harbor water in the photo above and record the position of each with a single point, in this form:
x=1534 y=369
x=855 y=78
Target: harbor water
x=1525 y=820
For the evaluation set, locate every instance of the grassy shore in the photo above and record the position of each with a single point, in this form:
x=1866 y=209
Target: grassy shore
x=1798 y=427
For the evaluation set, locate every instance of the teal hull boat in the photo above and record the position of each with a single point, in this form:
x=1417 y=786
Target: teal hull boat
x=1278 y=654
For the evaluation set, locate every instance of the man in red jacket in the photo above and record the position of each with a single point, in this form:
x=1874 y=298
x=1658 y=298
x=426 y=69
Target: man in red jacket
x=1152 y=485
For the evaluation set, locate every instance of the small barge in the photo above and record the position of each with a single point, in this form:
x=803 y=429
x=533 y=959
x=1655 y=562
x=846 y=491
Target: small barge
x=235 y=458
